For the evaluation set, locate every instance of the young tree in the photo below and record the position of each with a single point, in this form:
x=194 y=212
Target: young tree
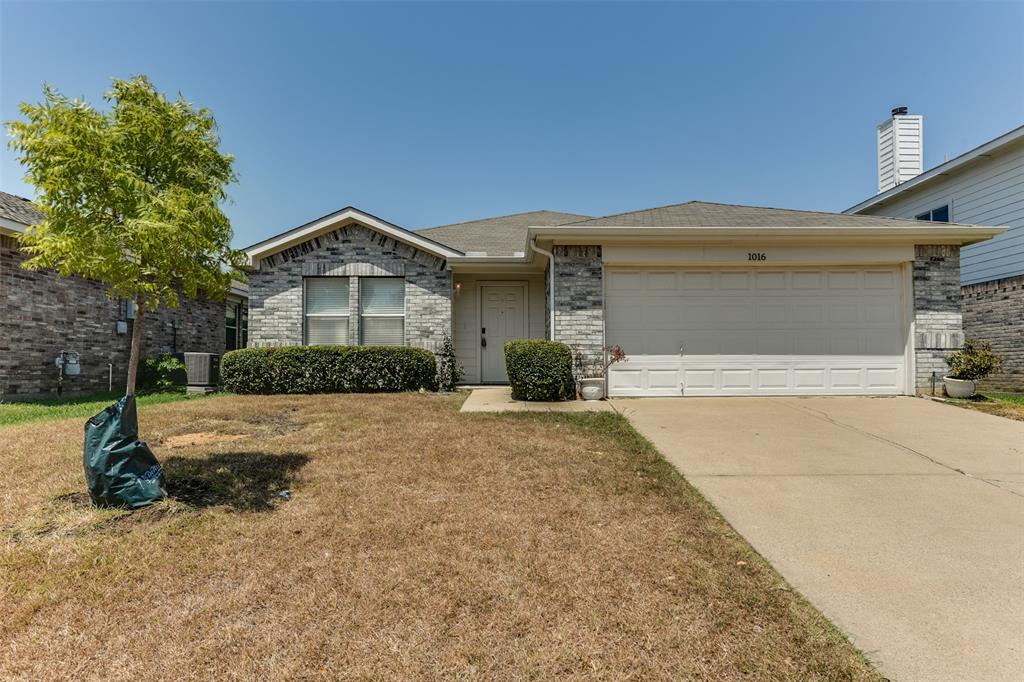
x=130 y=196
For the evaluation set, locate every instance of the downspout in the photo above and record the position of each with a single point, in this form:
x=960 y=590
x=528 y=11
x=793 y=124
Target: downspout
x=551 y=288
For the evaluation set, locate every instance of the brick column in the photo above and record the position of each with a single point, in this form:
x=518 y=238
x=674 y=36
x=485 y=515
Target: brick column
x=579 y=298
x=938 y=324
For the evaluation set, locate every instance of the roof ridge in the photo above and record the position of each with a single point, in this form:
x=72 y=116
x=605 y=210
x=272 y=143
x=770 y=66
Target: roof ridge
x=497 y=217
x=652 y=208
x=17 y=196
x=760 y=208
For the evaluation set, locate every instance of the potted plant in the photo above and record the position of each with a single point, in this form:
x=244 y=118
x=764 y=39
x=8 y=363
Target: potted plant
x=970 y=364
x=591 y=372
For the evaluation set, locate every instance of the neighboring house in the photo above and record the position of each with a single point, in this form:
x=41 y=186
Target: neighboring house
x=983 y=186
x=42 y=314
x=706 y=299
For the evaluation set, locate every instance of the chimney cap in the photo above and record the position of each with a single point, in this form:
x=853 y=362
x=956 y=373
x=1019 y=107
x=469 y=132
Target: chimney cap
x=899 y=111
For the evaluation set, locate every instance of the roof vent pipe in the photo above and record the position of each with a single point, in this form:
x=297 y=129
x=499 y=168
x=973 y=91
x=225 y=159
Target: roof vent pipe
x=551 y=288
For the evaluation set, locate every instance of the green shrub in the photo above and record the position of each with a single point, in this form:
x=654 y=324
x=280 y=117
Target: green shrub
x=162 y=372
x=328 y=369
x=974 y=361
x=539 y=370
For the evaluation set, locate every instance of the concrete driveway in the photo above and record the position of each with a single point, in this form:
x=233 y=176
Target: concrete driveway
x=901 y=519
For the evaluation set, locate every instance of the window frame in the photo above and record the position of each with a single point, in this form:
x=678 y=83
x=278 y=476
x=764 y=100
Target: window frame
x=929 y=215
x=233 y=345
x=306 y=315
x=402 y=316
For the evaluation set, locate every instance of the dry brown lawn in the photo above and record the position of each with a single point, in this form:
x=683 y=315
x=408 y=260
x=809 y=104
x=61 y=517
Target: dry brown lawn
x=415 y=542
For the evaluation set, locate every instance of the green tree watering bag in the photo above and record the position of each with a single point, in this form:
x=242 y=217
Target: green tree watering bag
x=120 y=469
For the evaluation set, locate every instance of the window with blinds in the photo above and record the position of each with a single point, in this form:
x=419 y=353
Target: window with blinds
x=326 y=311
x=382 y=311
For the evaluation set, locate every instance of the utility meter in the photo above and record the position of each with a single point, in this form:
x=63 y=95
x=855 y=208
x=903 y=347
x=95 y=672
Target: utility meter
x=69 y=362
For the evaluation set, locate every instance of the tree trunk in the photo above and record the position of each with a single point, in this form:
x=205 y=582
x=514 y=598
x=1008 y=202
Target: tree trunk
x=136 y=352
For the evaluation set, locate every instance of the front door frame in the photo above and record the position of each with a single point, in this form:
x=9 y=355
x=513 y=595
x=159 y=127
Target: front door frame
x=480 y=285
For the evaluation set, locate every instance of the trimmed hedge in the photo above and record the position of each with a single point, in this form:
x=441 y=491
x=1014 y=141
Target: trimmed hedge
x=328 y=369
x=539 y=370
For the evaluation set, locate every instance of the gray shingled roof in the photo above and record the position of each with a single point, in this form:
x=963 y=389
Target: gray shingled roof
x=18 y=209
x=501 y=236
x=703 y=214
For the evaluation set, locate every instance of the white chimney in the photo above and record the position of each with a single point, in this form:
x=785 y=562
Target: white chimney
x=900 y=149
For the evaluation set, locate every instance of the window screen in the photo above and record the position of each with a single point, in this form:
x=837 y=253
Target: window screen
x=382 y=308
x=326 y=311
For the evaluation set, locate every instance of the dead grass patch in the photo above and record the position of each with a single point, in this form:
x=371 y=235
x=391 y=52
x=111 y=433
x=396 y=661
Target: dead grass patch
x=200 y=438
x=417 y=543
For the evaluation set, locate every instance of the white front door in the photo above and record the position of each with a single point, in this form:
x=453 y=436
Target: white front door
x=502 y=318
x=784 y=331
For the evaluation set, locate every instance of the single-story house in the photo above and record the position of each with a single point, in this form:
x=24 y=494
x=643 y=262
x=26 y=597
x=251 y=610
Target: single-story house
x=42 y=315
x=706 y=299
x=983 y=185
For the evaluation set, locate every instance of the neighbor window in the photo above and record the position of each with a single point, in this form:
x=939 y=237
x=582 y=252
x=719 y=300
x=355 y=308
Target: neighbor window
x=243 y=329
x=326 y=310
x=231 y=325
x=936 y=215
x=382 y=311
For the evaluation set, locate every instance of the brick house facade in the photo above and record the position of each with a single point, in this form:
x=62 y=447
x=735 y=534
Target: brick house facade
x=357 y=253
x=42 y=314
x=878 y=313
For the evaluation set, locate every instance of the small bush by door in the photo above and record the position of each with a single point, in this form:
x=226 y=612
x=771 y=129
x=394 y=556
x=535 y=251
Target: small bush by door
x=329 y=369
x=539 y=370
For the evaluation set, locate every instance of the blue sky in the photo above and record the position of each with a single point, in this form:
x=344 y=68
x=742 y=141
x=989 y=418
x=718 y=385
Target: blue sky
x=431 y=113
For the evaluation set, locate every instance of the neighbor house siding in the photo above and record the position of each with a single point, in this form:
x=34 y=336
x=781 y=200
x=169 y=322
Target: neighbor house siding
x=275 y=286
x=938 y=324
x=989 y=191
x=42 y=314
x=994 y=312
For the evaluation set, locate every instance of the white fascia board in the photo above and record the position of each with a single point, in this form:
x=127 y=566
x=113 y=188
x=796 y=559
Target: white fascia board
x=946 y=168
x=928 y=233
x=330 y=222
x=239 y=288
x=12 y=227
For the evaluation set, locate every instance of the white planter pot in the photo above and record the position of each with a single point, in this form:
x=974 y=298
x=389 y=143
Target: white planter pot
x=959 y=388
x=592 y=388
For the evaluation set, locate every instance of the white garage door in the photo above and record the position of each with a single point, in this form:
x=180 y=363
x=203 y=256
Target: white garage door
x=756 y=332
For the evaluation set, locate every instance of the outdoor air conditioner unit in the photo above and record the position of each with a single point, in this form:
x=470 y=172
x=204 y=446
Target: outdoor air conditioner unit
x=202 y=371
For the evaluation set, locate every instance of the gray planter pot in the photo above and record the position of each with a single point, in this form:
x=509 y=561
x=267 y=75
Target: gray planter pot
x=959 y=388
x=592 y=388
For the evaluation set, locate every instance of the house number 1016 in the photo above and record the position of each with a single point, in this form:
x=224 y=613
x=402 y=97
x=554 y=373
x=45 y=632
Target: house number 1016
x=756 y=256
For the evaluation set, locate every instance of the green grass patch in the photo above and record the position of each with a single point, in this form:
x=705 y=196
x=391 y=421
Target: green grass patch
x=81 y=407
x=1009 y=398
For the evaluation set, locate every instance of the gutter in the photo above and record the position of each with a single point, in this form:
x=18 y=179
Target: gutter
x=551 y=287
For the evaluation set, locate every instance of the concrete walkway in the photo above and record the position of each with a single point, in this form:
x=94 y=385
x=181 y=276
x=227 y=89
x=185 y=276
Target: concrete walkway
x=499 y=399
x=902 y=519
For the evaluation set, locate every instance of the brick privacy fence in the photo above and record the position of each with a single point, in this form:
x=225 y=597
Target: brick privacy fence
x=42 y=314
x=354 y=251
x=937 y=319
x=994 y=311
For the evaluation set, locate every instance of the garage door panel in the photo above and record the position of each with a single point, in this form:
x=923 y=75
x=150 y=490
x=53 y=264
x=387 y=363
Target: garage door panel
x=756 y=332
